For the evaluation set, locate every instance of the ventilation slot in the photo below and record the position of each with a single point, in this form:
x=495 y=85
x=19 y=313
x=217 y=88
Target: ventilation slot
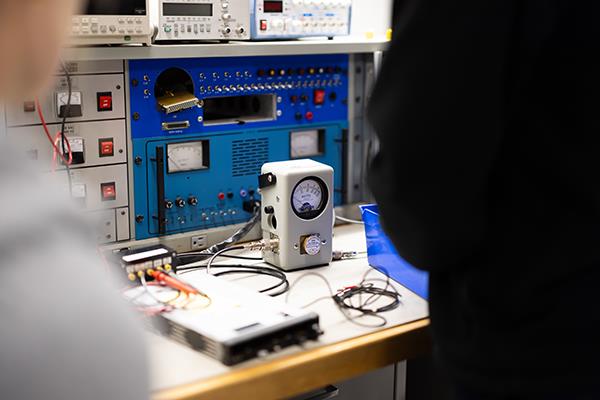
x=248 y=156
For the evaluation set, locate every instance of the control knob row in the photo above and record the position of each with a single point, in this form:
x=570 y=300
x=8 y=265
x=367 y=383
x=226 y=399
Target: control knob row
x=179 y=202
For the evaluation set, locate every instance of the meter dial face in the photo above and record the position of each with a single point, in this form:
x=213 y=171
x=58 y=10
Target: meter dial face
x=306 y=143
x=187 y=156
x=309 y=198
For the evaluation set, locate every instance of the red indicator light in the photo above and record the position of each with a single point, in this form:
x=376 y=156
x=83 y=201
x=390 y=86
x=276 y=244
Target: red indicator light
x=108 y=191
x=221 y=196
x=319 y=96
x=309 y=115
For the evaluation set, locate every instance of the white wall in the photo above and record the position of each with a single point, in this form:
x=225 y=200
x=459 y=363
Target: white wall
x=371 y=17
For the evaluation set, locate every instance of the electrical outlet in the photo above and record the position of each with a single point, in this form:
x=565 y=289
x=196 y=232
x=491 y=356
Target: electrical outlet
x=199 y=242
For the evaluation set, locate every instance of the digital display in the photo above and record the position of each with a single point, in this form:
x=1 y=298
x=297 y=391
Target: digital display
x=116 y=7
x=191 y=10
x=273 y=6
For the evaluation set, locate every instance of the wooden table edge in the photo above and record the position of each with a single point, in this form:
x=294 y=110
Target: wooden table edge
x=311 y=369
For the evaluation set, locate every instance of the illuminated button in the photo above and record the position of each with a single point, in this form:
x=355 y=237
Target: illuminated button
x=104 y=101
x=221 y=196
x=272 y=72
x=293 y=99
x=260 y=72
x=311 y=71
x=319 y=96
x=263 y=25
x=106 y=147
x=282 y=72
x=309 y=115
x=108 y=191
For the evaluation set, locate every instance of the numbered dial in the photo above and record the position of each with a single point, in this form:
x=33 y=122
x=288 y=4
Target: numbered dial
x=309 y=198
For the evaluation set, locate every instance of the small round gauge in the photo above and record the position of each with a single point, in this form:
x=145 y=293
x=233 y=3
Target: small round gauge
x=309 y=198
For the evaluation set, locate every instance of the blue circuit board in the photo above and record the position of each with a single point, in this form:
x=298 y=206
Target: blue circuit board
x=272 y=98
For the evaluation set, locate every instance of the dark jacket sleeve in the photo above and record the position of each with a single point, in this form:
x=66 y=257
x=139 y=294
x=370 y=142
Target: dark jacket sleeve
x=438 y=112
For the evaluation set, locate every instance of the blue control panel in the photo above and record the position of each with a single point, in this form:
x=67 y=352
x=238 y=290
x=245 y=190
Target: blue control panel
x=203 y=128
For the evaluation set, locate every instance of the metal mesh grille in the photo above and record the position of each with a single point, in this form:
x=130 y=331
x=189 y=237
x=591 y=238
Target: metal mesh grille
x=248 y=156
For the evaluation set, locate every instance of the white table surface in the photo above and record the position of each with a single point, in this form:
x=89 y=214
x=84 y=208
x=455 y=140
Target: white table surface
x=173 y=364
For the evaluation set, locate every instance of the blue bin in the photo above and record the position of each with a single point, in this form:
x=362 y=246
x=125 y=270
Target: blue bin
x=384 y=257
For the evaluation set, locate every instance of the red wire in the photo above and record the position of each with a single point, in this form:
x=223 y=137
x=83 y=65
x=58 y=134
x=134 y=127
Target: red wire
x=49 y=136
x=54 y=153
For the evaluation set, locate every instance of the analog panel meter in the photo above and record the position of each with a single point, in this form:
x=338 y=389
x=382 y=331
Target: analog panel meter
x=307 y=143
x=309 y=198
x=187 y=156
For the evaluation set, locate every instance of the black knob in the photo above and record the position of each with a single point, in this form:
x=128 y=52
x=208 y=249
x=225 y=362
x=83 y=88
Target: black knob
x=304 y=98
x=180 y=203
x=298 y=116
x=192 y=201
x=168 y=204
x=269 y=210
x=230 y=195
x=333 y=96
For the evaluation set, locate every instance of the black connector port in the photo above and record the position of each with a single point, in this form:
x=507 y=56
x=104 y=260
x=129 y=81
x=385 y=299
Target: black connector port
x=251 y=205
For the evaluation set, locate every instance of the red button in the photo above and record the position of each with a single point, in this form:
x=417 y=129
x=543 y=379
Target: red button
x=319 y=96
x=263 y=24
x=309 y=115
x=106 y=147
x=104 y=101
x=221 y=196
x=109 y=191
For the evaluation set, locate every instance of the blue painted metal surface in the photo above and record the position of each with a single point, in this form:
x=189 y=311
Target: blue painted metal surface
x=237 y=151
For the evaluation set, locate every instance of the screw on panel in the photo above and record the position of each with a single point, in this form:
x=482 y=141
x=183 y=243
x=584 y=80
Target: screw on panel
x=134 y=82
x=138 y=160
x=136 y=116
x=200 y=119
x=139 y=219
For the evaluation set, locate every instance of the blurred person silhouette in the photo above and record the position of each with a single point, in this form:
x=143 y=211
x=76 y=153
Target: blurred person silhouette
x=487 y=175
x=65 y=334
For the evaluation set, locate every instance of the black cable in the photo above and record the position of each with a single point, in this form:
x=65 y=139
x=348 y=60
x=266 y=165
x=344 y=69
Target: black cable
x=66 y=112
x=247 y=269
x=344 y=299
x=219 y=253
x=194 y=257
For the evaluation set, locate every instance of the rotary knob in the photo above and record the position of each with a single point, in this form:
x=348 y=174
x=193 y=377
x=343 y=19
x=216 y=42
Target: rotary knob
x=180 y=203
x=193 y=201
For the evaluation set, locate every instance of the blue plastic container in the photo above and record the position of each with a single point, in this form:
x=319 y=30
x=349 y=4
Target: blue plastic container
x=384 y=257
